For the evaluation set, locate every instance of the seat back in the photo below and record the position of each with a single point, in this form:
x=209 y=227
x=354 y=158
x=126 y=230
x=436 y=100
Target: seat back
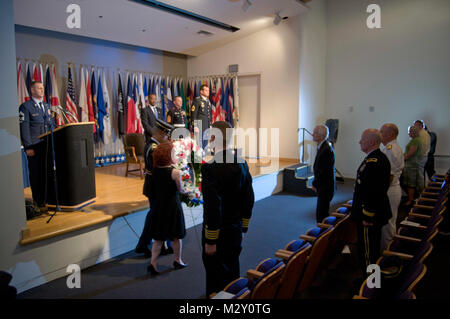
x=267 y=286
x=294 y=268
x=313 y=261
x=135 y=140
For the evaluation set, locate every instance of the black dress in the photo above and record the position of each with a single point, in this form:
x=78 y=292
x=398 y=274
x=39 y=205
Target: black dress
x=167 y=218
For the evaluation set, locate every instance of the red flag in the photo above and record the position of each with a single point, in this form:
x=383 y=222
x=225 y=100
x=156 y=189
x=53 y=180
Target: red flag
x=131 y=110
x=56 y=105
x=22 y=93
x=36 y=76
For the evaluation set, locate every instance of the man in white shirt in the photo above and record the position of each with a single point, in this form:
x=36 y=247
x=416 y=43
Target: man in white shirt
x=425 y=142
x=394 y=153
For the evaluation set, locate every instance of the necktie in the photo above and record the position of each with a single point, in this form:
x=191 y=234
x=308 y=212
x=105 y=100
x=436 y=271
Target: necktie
x=42 y=107
x=155 y=111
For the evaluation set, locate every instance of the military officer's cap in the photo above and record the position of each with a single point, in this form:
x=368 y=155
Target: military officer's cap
x=164 y=126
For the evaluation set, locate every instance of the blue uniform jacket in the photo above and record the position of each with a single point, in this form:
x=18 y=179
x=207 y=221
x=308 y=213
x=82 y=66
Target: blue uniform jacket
x=34 y=122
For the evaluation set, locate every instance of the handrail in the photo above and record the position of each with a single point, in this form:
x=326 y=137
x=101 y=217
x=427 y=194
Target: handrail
x=305 y=129
x=303 y=141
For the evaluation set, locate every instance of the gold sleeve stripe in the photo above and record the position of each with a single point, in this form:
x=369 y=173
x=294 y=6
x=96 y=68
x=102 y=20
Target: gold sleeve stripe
x=212 y=234
x=245 y=222
x=368 y=214
x=369 y=160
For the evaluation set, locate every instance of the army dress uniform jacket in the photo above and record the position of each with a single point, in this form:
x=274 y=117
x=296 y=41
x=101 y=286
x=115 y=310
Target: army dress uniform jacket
x=228 y=200
x=34 y=122
x=370 y=199
x=148 y=157
x=201 y=111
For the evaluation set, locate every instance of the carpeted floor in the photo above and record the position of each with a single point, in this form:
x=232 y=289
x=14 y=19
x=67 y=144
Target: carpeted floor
x=276 y=221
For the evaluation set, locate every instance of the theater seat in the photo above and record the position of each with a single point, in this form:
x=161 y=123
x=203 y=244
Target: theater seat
x=262 y=282
x=294 y=255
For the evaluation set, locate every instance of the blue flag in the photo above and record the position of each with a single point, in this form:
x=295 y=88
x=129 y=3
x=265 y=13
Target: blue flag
x=101 y=110
x=145 y=92
x=163 y=90
x=94 y=105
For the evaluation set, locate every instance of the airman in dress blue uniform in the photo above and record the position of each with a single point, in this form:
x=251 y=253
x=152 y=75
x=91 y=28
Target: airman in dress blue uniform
x=35 y=117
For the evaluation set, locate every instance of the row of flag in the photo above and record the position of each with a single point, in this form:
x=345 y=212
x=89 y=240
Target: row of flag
x=35 y=73
x=121 y=114
x=224 y=97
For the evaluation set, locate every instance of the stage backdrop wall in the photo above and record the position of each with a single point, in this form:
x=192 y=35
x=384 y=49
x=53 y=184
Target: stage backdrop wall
x=273 y=53
x=401 y=69
x=59 y=48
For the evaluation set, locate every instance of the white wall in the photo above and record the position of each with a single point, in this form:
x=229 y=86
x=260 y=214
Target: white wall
x=313 y=44
x=401 y=69
x=273 y=53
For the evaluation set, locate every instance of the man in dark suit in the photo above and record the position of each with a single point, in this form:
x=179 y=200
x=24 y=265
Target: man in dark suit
x=35 y=117
x=371 y=209
x=228 y=202
x=149 y=115
x=201 y=112
x=324 y=183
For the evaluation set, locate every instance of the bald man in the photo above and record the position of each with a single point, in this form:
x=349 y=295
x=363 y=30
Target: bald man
x=371 y=209
x=394 y=153
x=324 y=183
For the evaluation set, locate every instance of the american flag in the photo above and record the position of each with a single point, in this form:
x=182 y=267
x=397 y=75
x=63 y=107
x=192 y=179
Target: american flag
x=71 y=107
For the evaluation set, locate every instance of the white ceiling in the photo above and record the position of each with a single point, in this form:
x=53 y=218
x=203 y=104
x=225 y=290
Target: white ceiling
x=124 y=20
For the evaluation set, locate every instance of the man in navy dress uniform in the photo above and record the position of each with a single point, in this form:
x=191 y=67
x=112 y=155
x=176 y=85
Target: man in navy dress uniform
x=35 y=118
x=228 y=202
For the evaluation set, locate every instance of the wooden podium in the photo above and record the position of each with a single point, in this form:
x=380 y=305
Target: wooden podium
x=75 y=167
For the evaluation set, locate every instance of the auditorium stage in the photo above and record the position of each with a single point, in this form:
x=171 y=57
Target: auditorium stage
x=118 y=196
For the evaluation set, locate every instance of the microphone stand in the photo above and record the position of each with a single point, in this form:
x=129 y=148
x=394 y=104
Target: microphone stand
x=55 y=182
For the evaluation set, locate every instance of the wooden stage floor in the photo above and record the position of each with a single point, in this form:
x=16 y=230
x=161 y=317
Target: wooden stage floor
x=117 y=196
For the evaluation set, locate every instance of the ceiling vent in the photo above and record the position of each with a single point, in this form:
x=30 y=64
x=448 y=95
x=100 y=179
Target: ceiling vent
x=204 y=33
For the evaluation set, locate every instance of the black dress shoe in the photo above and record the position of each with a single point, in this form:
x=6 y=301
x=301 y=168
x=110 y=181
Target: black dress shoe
x=152 y=270
x=177 y=265
x=143 y=250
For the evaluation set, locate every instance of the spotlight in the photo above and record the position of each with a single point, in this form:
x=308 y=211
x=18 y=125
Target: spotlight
x=247 y=4
x=277 y=19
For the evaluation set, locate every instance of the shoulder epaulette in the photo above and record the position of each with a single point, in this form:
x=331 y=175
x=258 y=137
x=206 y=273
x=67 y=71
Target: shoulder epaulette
x=372 y=160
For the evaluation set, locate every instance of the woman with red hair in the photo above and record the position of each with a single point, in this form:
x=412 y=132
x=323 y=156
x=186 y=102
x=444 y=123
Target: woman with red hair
x=166 y=219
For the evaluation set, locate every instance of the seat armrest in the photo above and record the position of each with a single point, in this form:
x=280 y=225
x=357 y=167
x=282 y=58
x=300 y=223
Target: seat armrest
x=254 y=274
x=308 y=238
x=321 y=225
x=388 y=253
x=411 y=239
x=283 y=254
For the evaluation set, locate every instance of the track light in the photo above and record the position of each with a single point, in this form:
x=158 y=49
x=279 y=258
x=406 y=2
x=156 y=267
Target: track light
x=247 y=4
x=277 y=19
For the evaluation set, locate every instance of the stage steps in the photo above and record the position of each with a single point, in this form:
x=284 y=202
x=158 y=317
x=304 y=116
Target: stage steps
x=297 y=179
